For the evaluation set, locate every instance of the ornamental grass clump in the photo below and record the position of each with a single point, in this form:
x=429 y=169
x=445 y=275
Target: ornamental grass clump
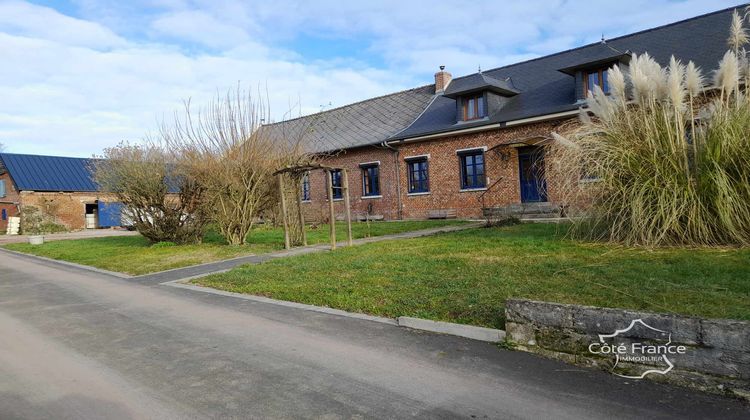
x=666 y=157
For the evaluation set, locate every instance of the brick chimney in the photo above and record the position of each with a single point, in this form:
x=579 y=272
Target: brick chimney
x=442 y=80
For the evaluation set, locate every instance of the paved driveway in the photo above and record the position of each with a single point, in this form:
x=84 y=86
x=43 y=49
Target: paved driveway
x=79 y=345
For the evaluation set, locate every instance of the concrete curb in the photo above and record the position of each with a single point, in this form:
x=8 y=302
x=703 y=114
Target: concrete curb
x=468 y=331
x=489 y=335
x=68 y=264
x=303 y=306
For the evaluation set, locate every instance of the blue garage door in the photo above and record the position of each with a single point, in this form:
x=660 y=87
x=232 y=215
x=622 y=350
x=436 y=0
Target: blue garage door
x=110 y=214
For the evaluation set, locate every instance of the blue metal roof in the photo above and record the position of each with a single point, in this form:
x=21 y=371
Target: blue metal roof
x=49 y=173
x=57 y=173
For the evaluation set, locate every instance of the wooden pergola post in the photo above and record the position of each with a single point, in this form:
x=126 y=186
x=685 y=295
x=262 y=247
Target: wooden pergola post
x=344 y=187
x=332 y=215
x=301 y=214
x=287 y=245
x=345 y=182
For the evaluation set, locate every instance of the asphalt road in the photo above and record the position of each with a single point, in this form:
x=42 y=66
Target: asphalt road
x=80 y=345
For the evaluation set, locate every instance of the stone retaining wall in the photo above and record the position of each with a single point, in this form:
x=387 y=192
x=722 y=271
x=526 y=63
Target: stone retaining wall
x=715 y=356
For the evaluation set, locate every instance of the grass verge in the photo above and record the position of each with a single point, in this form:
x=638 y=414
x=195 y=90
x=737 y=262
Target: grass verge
x=466 y=276
x=134 y=255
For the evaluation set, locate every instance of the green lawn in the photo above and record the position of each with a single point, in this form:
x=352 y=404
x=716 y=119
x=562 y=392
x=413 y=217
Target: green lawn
x=466 y=276
x=134 y=255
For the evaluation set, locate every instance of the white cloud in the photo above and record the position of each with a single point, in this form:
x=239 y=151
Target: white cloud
x=200 y=27
x=45 y=23
x=74 y=85
x=71 y=100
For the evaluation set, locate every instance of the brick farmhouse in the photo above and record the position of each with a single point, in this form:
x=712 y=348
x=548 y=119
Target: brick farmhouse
x=475 y=145
x=463 y=147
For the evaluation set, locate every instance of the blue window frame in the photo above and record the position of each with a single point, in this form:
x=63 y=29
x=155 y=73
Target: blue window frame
x=306 y=187
x=370 y=180
x=417 y=170
x=472 y=169
x=338 y=191
x=4 y=215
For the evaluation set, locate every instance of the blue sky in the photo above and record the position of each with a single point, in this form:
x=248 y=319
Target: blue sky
x=78 y=76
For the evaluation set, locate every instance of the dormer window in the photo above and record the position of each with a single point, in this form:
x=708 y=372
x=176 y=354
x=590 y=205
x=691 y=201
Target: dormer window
x=479 y=95
x=593 y=72
x=593 y=78
x=473 y=107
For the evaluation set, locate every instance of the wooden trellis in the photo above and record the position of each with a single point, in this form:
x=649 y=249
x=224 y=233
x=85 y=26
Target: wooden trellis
x=297 y=172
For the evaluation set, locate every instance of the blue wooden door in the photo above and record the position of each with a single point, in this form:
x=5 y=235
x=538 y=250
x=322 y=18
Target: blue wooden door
x=531 y=174
x=110 y=214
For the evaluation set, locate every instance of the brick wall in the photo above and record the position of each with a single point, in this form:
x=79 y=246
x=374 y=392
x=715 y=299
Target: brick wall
x=68 y=209
x=501 y=166
x=9 y=202
x=386 y=205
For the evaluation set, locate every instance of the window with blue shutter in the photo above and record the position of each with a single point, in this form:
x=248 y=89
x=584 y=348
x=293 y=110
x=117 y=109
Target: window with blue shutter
x=4 y=215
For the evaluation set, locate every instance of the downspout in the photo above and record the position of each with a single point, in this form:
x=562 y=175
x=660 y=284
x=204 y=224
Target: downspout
x=399 y=212
x=396 y=151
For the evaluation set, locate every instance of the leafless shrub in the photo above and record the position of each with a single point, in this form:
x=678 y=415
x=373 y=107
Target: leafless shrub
x=224 y=148
x=164 y=203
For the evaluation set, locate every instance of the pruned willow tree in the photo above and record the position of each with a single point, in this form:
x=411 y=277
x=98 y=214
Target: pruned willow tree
x=669 y=153
x=224 y=148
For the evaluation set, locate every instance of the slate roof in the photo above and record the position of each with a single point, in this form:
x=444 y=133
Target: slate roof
x=605 y=55
x=478 y=82
x=364 y=123
x=545 y=89
x=49 y=173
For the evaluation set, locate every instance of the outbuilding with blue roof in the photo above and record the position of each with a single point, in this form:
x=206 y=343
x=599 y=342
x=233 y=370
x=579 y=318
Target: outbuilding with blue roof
x=62 y=188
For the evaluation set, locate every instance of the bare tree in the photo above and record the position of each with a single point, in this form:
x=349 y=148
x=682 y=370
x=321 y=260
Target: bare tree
x=223 y=147
x=162 y=200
